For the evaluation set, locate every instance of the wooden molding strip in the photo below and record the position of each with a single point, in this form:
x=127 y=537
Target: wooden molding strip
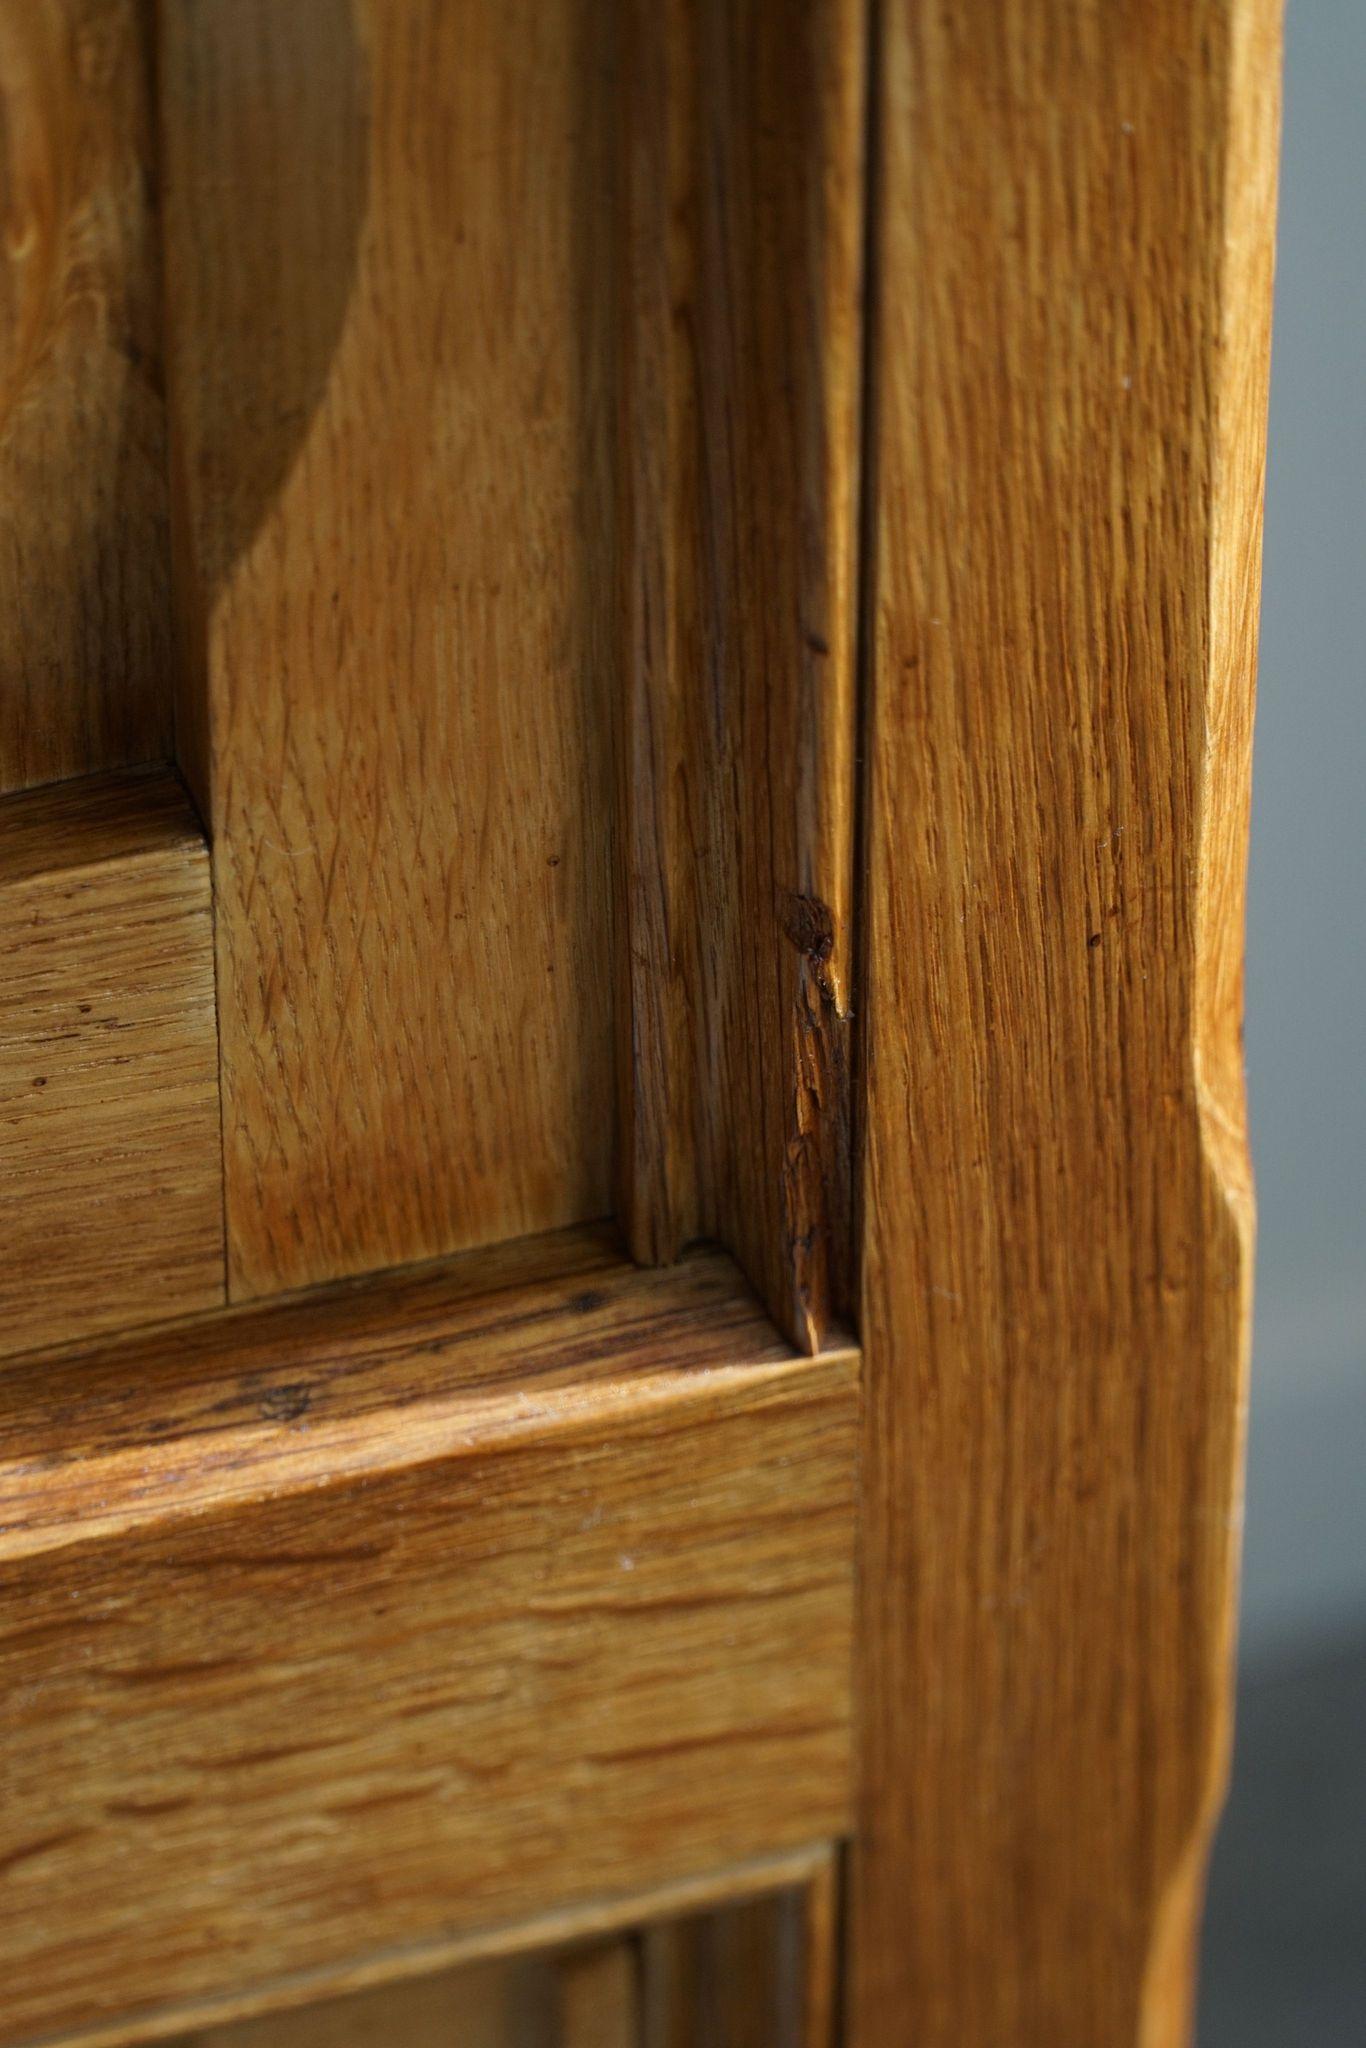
x=742 y=218
x=372 y=1620
x=111 y=1186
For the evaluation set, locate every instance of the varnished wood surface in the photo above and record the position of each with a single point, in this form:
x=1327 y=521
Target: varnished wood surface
x=741 y=182
x=110 y=1182
x=1074 y=209
x=85 y=655
x=388 y=268
x=360 y=1624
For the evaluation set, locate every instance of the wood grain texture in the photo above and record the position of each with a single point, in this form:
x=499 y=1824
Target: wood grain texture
x=85 y=672
x=1074 y=207
x=742 y=161
x=389 y=346
x=366 y=1623
x=111 y=1204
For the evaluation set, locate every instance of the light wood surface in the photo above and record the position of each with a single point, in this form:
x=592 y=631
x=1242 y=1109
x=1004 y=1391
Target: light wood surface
x=110 y=1183
x=85 y=621
x=389 y=349
x=1073 y=249
x=741 y=183
x=368 y=1622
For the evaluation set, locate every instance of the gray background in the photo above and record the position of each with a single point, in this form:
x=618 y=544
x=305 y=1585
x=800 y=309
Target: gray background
x=1285 y=1956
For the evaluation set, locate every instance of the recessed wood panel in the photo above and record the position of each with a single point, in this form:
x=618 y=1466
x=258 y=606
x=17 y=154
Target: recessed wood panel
x=111 y=1205
x=334 y=1627
x=389 y=262
x=752 y=1972
x=85 y=614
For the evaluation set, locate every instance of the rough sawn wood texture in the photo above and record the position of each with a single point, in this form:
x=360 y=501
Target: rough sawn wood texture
x=366 y=1623
x=1074 y=208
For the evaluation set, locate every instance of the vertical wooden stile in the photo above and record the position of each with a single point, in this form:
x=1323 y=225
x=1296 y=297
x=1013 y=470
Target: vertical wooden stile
x=1074 y=210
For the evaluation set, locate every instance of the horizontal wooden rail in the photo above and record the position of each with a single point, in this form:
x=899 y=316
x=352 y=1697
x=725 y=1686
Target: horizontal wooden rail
x=415 y=1609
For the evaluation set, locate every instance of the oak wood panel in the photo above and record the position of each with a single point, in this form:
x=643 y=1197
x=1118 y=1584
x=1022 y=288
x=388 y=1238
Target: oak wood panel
x=1074 y=211
x=111 y=1207
x=357 y=1624
x=85 y=671
x=390 y=322
x=742 y=187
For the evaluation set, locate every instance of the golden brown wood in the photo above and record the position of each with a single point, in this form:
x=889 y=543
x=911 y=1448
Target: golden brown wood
x=376 y=1620
x=742 y=228
x=388 y=263
x=84 y=586
x=1074 y=211
x=599 y=1997
x=110 y=1184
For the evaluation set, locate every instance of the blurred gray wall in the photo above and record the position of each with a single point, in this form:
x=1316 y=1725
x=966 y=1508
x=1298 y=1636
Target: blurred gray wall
x=1305 y=1538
